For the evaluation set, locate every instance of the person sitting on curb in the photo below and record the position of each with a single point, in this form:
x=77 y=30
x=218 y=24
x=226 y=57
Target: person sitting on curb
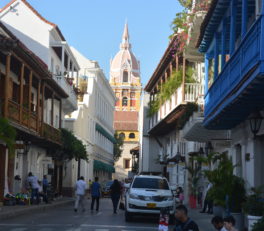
x=218 y=223
x=183 y=222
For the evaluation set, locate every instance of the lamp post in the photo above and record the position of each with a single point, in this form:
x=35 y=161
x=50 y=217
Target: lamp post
x=208 y=148
x=255 y=121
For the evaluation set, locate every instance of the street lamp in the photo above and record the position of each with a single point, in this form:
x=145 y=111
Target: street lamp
x=255 y=122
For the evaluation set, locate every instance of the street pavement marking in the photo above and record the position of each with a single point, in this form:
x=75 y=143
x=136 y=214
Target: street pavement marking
x=19 y=229
x=118 y=226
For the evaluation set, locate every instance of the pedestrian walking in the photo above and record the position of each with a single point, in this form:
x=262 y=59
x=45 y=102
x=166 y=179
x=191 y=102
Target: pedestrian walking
x=89 y=188
x=95 y=193
x=115 y=191
x=208 y=204
x=45 y=185
x=32 y=182
x=183 y=222
x=229 y=223
x=218 y=223
x=80 y=188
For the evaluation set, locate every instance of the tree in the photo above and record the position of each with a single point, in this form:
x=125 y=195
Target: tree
x=7 y=134
x=118 y=146
x=186 y=3
x=72 y=148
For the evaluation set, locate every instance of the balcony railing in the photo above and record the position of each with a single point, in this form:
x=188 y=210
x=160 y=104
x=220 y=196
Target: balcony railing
x=28 y=120
x=68 y=88
x=192 y=91
x=51 y=133
x=246 y=57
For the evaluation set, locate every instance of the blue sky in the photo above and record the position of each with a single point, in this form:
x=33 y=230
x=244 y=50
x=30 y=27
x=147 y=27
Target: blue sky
x=95 y=27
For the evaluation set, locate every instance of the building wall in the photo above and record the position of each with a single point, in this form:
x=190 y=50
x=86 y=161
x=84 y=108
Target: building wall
x=121 y=171
x=96 y=106
x=35 y=36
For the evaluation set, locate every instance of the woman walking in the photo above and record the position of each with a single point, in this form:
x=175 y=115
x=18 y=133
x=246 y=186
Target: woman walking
x=115 y=193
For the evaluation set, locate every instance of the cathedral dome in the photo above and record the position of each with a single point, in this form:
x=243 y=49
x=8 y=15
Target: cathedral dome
x=125 y=59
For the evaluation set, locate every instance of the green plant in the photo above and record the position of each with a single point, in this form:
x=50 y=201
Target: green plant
x=118 y=146
x=72 y=148
x=259 y=226
x=237 y=195
x=194 y=171
x=7 y=134
x=228 y=190
x=169 y=88
x=254 y=204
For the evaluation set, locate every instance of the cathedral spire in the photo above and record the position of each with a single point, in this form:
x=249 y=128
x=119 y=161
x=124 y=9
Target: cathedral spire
x=125 y=38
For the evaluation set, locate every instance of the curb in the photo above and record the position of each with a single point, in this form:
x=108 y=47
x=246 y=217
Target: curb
x=31 y=209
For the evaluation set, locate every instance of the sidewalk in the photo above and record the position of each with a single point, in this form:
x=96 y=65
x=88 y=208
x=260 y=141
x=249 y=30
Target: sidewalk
x=17 y=210
x=203 y=220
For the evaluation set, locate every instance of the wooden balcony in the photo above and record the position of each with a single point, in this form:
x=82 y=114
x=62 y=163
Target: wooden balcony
x=238 y=89
x=50 y=133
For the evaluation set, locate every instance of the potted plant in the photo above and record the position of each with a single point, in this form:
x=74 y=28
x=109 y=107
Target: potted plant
x=258 y=226
x=194 y=170
x=254 y=206
x=235 y=200
x=221 y=178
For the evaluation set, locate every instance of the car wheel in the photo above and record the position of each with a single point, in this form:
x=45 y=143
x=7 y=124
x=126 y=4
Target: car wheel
x=128 y=216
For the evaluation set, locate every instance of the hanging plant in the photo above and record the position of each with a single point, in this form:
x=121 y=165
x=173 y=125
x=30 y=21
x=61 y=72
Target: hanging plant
x=169 y=88
x=7 y=134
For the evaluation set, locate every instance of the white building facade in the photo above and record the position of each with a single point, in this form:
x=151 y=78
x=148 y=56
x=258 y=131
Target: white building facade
x=93 y=121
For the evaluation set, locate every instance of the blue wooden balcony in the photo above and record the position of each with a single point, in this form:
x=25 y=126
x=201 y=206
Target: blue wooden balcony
x=239 y=87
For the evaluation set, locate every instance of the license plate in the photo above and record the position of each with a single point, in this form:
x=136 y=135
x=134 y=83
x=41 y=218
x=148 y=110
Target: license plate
x=151 y=205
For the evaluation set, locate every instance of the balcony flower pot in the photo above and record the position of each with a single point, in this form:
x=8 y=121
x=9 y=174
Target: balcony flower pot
x=252 y=220
x=192 y=201
x=254 y=206
x=259 y=225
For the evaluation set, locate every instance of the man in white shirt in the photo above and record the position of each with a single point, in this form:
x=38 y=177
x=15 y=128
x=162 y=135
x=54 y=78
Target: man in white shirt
x=80 y=188
x=32 y=181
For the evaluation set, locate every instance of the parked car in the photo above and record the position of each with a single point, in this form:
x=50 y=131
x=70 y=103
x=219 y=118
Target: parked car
x=106 y=188
x=148 y=195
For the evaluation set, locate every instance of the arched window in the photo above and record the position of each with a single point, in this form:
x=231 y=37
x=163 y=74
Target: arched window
x=125 y=76
x=122 y=135
x=124 y=101
x=132 y=135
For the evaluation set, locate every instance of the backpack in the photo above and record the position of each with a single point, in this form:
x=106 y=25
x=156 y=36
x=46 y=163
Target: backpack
x=179 y=228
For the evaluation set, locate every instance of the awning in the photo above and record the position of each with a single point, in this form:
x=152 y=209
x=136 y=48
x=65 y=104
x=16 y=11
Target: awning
x=101 y=166
x=101 y=130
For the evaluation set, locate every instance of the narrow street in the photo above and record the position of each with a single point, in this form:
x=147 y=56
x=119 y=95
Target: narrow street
x=64 y=218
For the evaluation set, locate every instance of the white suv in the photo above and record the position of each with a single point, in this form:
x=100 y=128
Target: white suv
x=147 y=195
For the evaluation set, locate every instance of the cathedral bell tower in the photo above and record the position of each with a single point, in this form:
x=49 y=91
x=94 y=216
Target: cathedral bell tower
x=125 y=82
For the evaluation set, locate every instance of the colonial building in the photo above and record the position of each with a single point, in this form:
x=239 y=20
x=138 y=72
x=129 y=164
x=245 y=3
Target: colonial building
x=232 y=44
x=125 y=82
x=173 y=93
x=93 y=122
x=45 y=39
x=27 y=94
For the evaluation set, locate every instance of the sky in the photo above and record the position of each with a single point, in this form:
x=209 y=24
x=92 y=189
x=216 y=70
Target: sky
x=95 y=27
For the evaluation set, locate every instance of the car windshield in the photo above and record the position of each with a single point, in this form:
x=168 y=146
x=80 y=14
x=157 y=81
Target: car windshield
x=150 y=183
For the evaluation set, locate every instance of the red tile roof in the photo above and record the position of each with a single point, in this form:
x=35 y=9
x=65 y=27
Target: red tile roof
x=37 y=14
x=126 y=120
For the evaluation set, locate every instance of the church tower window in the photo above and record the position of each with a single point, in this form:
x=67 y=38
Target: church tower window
x=124 y=101
x=125 y=76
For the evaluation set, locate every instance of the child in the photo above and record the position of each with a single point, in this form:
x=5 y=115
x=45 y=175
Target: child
x=229 y=223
